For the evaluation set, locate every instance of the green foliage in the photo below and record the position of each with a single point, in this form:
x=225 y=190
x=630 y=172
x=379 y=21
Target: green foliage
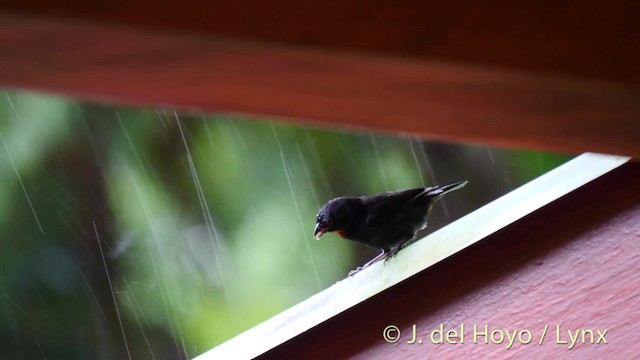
x=206 y=222
x=526 y=164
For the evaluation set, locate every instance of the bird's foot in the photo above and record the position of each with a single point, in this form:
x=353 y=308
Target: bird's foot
x=394 y=251
x=391 y=253
x=356 y=270
x=369 y=263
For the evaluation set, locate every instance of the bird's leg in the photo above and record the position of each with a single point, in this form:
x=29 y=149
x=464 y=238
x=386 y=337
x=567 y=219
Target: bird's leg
x=369 y=263
x=374 y=260
x=394 y=251
x=391 y=253
x=404 y=244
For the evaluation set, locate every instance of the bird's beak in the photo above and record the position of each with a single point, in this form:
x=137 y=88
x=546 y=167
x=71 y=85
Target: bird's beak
x=318 y=231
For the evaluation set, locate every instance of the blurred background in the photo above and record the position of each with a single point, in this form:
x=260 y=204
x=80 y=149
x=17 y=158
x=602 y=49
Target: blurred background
x=143 y=232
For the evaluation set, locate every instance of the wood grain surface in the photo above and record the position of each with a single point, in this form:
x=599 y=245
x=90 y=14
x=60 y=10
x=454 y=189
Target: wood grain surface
x=592 y=39
x=430 y=99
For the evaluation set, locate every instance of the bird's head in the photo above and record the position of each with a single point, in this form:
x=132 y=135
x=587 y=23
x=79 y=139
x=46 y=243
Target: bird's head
x=336 y=215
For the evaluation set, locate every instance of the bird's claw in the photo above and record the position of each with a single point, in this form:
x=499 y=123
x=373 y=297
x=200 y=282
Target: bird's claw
x=390 y=254
x=355 y=271
x=369 y=263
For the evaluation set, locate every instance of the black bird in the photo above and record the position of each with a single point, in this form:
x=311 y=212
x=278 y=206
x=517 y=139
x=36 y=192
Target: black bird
x=387 y=221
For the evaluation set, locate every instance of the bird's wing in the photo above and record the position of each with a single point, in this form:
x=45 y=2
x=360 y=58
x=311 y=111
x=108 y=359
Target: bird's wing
x=385 y=207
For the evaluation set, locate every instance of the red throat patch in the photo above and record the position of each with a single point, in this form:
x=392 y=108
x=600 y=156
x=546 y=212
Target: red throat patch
x=341 y=233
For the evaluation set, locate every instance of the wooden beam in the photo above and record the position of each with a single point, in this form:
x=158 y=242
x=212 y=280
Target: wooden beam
x=573 y=264
x=433 y=100
x=592 y=39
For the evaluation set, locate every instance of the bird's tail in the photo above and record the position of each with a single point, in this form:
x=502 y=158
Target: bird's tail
x=440 y=191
